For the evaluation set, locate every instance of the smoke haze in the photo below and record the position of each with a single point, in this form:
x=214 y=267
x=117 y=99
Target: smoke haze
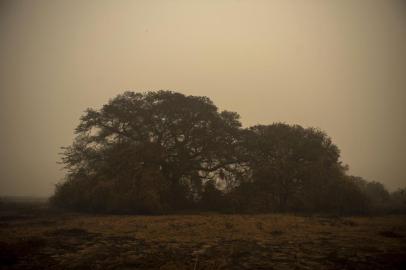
x=336 y=65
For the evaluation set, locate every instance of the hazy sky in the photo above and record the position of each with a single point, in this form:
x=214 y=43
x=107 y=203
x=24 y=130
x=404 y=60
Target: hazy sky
x=337 y=65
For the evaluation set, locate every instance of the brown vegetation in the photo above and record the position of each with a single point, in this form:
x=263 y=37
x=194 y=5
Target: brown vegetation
x=48 y=240
x=164 y=152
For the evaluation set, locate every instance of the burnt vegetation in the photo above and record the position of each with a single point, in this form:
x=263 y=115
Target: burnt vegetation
x=164 y=152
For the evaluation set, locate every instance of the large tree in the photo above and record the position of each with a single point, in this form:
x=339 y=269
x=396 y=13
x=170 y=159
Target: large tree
x=291 y=167
x=160 y=151
x=148 y=152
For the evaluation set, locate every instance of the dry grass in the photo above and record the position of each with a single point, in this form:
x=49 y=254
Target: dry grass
x=205 y=241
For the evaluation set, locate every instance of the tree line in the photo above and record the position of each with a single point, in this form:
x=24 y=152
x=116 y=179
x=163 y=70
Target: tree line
x=162 y=152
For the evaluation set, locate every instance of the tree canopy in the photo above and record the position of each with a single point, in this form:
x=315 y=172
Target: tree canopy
x=150 y=152
x=163 y=151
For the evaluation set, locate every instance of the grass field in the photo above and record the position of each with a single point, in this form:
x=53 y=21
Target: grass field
x=36 y=238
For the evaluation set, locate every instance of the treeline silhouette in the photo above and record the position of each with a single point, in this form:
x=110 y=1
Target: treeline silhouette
x=161 y=152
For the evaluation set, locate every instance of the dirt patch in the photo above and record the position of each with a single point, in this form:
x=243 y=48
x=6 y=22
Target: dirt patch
x=391 y=234
x=12 y=252
x=8 y=218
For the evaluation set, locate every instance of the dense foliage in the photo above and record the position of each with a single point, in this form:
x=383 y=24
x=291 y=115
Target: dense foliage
x=163 y=151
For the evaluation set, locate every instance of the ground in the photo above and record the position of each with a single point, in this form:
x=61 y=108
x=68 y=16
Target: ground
x=41 y=239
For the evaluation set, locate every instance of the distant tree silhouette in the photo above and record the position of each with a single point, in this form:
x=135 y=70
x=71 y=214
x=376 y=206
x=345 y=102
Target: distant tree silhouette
x=292 y=168
x=148 y=152
x=375 y=193
x=163 y=151
x=398 y=201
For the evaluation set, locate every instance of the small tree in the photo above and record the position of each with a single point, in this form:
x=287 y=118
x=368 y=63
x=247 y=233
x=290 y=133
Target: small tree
x=398 y=201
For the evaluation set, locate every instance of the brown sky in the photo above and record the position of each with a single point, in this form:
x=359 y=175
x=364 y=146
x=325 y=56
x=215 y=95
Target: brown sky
x=337 y=65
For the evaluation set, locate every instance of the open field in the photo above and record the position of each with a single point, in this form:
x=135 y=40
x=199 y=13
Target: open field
x=34 y=238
